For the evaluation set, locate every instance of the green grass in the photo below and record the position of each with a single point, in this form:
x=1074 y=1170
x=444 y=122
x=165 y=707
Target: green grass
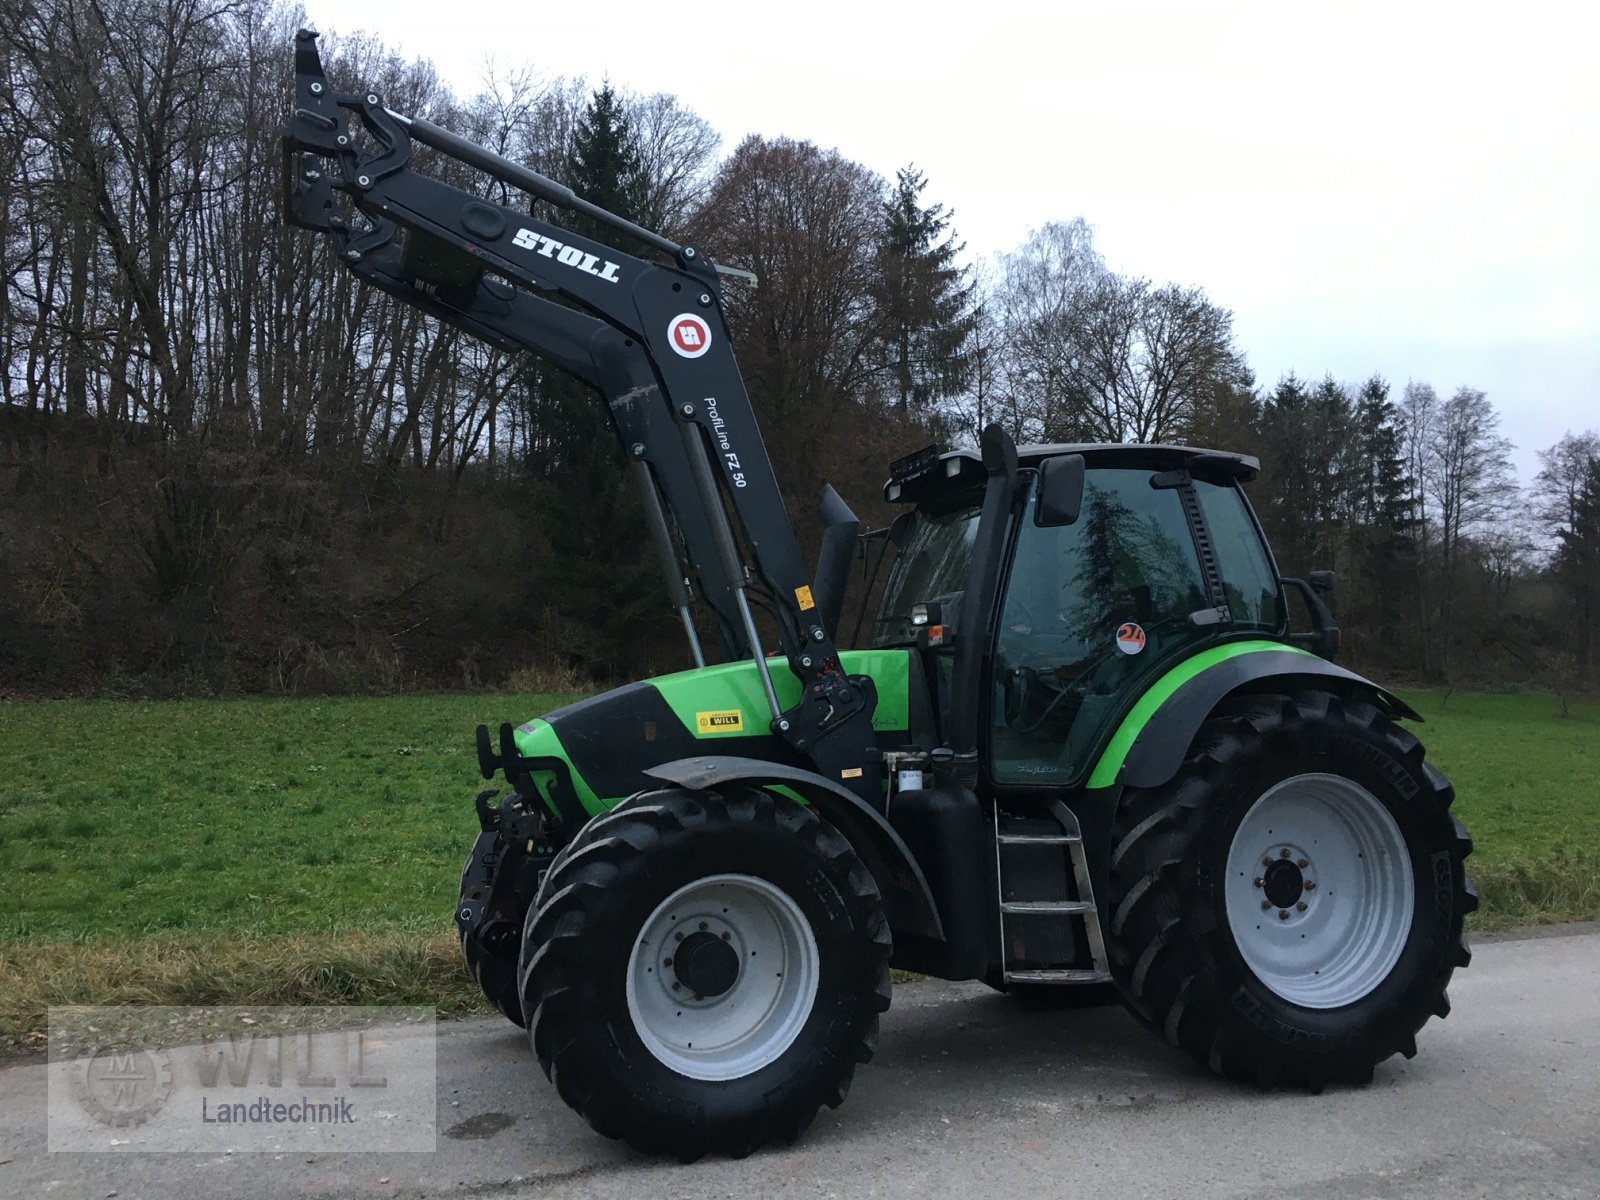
x=268 y=817
x=1528 y=789
x=287 y=851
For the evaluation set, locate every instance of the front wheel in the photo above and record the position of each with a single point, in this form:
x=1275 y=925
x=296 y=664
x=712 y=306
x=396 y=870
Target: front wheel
x=704 y=970
x=1288 y=909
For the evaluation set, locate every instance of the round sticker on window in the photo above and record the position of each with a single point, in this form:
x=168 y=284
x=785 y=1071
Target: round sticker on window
x=1130 y=638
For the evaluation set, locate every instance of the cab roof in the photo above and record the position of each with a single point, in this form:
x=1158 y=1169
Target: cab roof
x=929 y=473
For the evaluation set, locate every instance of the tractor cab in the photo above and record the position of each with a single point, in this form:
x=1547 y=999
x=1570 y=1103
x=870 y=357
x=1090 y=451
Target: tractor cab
x=1117 y=561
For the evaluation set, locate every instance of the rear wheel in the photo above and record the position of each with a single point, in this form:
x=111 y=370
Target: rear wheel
x=1289 y=907
x=704 y=970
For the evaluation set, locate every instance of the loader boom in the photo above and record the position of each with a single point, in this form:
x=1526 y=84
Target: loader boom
x=651 y=337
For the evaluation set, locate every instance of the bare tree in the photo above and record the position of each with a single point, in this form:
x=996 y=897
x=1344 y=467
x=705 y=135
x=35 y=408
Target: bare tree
x=806 y=222
x=1468 y=487
x=677 y=149
x=1095 y=356
x=1148 y=360
x=1041 y=305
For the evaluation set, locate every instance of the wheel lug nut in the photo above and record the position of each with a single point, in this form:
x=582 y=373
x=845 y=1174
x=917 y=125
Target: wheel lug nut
x=676 y=986
x=1284 y=853
x=727 y=937
x=666 y=962
x=1302 y=863
x=1260 y=882
x=1266 y=904
x=677 y=937
x=1283 y=914
x=1267 y=862
x=704 y=927
x=1300 y=905
x=1311 y=885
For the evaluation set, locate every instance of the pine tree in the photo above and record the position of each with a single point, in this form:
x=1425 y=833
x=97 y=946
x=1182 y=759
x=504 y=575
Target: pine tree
x=1577 y=564
x=925 y=299
x=599 y=592
x=1381 y=498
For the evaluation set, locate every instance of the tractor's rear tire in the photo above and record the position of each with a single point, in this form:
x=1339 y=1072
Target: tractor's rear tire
x=772 y=931
x=1288 y=909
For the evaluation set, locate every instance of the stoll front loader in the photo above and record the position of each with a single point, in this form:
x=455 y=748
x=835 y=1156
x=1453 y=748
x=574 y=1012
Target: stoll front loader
x=1080 y=747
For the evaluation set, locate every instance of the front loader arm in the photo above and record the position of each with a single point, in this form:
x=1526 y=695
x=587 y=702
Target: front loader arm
x=672 y=314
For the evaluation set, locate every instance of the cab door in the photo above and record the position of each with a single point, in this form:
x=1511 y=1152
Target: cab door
x=1095 y=611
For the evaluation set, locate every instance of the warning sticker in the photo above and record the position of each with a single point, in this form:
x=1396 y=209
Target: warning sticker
x=727 y=720
x=803 y=596
x=690 y=335
x=1130 y=638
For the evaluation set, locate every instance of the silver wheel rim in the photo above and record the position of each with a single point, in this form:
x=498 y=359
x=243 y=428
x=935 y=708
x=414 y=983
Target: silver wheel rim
x=1319 y=891
x=758 y=1017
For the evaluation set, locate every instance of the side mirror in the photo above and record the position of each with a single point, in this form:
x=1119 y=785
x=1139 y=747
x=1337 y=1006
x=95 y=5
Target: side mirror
x=1322 y=582
x=1060 y=491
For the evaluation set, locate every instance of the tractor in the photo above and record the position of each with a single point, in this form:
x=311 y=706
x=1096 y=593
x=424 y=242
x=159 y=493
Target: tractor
x=1080 y=747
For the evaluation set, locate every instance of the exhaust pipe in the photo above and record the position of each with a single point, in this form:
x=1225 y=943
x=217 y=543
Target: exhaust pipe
x=840 y=529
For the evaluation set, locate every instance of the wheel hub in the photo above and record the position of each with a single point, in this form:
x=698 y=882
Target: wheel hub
x=1319 y=891
x=1287 y=881
x=706 y=964
x=723 y=977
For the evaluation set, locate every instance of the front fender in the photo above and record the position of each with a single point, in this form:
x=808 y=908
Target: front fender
x=1152 y=742
x=907 y=900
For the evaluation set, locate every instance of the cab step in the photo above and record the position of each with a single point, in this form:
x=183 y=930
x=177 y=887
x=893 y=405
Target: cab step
x=1061 y=975
x=1046 y=906
x=1072 y=900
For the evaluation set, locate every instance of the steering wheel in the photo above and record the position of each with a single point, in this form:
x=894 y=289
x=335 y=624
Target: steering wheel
x=1019 y=617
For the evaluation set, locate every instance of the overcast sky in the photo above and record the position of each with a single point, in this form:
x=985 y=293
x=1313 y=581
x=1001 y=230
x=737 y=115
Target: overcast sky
x=1405 y=188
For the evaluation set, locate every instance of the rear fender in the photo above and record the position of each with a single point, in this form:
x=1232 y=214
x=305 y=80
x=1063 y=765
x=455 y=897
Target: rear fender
x=1152 y=743
x=907 y=900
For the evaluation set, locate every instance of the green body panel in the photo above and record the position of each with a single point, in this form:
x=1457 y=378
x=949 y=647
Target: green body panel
x=737 y=686
x=538 y=739
x=719 y=704
x=1116 y=752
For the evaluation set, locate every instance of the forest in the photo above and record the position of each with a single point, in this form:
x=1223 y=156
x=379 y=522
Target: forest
x=226 y=468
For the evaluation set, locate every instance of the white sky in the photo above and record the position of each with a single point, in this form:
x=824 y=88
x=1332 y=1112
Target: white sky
x=1408 y=188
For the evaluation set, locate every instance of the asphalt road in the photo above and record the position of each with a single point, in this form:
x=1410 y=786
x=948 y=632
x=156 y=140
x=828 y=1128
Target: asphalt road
x=972 y=1094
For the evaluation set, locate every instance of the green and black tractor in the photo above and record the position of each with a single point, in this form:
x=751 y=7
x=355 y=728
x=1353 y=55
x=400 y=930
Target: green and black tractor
x=1080 y=748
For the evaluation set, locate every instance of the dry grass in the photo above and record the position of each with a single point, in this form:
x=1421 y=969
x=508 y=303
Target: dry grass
x=1563 y=886
x=382 y=968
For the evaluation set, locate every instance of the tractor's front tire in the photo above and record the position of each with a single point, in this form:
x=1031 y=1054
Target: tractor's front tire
x=1288 y=909
x=704 y=970
x=494 y=970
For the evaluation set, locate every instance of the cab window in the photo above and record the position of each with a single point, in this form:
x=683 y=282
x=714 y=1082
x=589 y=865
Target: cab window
x=932 y=566
x=1255 y=600
x=1093 y=611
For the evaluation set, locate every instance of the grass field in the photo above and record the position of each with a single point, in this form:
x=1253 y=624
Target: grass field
x=305 y=851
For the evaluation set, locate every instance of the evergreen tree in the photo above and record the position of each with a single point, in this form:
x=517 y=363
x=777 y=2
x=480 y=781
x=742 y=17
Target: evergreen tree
x=1577 y=565
x=1283 y=494
x=925 y=297
x=1381 y=499
x=599 y=590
